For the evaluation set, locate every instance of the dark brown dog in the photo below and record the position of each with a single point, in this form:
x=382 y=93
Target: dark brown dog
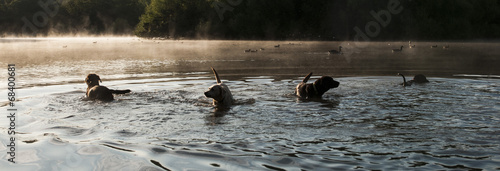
x=316 y=89
x=419 y=78
x=97 y=92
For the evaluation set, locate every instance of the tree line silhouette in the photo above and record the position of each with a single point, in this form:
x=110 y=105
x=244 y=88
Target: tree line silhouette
x=254 y=19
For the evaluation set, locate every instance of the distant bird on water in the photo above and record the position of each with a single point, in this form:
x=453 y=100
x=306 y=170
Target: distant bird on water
x=434 y=46
x=411 y=46
x=277 y=46
x=335 y=51
x=446 y=47
x=398 y=50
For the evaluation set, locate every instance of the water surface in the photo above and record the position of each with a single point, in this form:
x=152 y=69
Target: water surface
x=370 y=122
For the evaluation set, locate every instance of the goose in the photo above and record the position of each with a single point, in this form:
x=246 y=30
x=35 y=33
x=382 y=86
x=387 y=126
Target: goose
x=335 y=51
x=398 y=50
x=411 y=46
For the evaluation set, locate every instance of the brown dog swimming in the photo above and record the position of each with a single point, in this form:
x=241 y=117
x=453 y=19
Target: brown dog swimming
x=220 y=93
x=98 y=92
x=316 y=89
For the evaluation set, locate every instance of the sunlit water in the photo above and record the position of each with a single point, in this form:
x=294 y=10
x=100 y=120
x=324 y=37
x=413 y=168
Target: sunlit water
x=369 y=122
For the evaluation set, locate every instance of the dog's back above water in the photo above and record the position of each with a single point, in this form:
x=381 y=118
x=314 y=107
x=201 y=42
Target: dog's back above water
x=98 y=92
x=316 y=89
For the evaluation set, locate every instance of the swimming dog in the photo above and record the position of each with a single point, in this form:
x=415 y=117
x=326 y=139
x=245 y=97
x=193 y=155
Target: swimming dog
x=220 y=93
x=98 y=92
x=316 y=89
x=419 y=78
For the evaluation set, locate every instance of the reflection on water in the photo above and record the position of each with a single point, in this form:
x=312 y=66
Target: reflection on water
x=368 y=122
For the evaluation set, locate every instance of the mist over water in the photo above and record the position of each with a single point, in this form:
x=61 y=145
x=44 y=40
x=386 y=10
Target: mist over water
x=369 y=122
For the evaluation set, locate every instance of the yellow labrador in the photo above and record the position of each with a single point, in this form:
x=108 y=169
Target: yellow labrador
x=220 y=93
x=98 y=92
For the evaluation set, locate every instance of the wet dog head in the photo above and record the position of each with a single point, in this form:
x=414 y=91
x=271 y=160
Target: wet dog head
x=92 y=80
x=420 y=79
x=217 y=92
x=327 y=82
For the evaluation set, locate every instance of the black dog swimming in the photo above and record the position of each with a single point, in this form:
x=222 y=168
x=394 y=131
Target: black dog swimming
x=419 y=78
x=316 y=89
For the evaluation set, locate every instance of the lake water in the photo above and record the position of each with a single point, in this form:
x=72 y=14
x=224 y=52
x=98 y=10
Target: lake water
x=370 y=122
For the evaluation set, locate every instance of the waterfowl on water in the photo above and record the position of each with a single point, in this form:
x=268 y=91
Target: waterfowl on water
x=248 y=50
x=411 y=46
x=277 y=46
x=434 y=46
x=446 y=47
x=336 y=52
x=398 y=50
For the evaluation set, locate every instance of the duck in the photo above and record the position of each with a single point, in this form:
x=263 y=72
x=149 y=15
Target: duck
x=398 y=50
x=248 y=50
x=277 y=46
x=335 y=51
x=434 y=46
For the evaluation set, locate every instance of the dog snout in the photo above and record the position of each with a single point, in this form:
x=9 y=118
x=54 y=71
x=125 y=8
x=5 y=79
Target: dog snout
x=336 y=84
x=207 y=94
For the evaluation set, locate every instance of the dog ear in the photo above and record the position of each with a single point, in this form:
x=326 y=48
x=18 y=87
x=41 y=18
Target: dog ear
x=222 y=93
x=319 y=81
